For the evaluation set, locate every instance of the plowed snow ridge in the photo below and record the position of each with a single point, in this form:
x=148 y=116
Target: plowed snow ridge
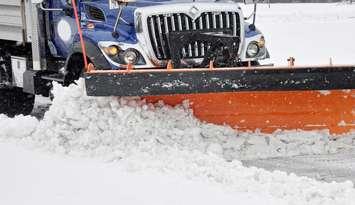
x=145 y=137
x=112 y=128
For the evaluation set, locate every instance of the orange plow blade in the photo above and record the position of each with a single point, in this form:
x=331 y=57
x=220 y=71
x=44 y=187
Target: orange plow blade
x=270 y=111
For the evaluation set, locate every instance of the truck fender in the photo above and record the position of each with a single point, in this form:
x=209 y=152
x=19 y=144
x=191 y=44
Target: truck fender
x=93 y=53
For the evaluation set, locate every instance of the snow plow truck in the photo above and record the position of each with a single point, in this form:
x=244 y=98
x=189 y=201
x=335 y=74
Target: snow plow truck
x=205 y=52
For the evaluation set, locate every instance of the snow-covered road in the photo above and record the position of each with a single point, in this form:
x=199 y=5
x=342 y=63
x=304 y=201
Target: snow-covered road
x=31 y=178
x=123 y=151
x=337 y=167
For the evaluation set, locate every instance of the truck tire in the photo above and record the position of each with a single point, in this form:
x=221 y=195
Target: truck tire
x=13 y=101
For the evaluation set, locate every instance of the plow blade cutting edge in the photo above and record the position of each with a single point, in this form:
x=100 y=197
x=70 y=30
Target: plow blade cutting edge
x=189 y=81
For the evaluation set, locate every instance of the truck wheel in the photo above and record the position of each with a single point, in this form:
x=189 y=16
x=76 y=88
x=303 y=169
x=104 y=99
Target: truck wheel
x=75 y=69
x=13 y=101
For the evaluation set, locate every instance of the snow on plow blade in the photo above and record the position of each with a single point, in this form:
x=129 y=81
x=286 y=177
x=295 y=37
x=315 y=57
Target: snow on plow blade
x=189 y=81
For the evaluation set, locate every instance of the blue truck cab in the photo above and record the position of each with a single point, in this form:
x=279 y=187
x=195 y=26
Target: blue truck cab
x=141 y=33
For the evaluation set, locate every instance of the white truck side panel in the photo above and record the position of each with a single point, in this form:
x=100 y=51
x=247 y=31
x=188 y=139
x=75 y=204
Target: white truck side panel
x=13 y=21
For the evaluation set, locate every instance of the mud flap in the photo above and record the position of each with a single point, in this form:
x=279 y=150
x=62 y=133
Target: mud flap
x=190 y=81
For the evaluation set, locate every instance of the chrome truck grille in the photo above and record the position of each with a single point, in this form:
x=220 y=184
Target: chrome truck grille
x=159 y=27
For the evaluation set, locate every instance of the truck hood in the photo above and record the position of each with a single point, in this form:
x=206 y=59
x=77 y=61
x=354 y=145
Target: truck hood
x=143 y=3
x=128 y=12
x=126 y=25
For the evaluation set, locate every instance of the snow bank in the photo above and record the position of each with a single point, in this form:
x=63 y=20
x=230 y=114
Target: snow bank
x=158 y=138
x=112 y=128
x=19 y=127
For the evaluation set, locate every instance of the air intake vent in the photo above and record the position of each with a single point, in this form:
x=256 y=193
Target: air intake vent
x=95 y=13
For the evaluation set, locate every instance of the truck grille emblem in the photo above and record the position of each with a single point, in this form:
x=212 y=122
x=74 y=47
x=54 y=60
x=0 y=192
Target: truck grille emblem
x=194 y=12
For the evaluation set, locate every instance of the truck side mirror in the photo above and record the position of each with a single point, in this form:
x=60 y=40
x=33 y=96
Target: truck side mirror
x=255 y=2
x=115 y=4
x=118 y=4
x=251 y=1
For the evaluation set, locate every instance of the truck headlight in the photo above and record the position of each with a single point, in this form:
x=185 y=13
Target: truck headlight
x=111 y=50
x=130 y=57
x=121 y=56
x=253 y=49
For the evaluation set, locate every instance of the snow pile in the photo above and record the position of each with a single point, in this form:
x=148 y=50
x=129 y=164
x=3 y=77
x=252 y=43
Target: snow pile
x=158 y=138
x=112 y=128
x=18 y=128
